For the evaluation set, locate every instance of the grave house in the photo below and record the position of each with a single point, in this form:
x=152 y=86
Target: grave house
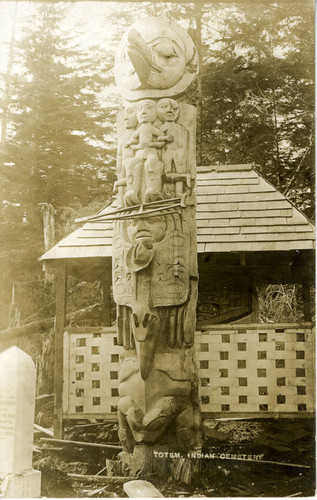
x=248 y=235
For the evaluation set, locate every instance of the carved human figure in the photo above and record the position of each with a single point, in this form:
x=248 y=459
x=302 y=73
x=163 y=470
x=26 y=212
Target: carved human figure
x=124 y=151
x=146 y=142
x=174 y=155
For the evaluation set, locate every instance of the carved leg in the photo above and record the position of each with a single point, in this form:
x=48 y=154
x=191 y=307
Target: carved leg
x=124 y=433
x=134 y=168
x=153 y=168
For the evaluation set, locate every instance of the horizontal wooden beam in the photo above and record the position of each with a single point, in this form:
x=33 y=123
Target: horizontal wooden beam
x=261 y=327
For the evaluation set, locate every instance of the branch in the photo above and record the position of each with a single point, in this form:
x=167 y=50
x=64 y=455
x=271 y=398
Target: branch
x=39 y=326
x=42 y=325
x=311 y=139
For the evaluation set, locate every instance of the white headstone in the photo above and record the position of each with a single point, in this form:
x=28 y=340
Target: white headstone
x=17 y=404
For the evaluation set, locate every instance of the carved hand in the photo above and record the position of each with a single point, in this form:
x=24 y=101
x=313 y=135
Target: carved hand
x=166 y=138
x=122 y=182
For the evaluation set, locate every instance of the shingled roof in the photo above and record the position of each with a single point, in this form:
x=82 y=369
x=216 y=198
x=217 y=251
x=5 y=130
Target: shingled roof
x=237 y=210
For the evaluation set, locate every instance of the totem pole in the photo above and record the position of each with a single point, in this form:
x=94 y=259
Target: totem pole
x=155 y=276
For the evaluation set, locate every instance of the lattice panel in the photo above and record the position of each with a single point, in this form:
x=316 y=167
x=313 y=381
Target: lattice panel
x=256 y=370
x=91 y=368
x=250 y=370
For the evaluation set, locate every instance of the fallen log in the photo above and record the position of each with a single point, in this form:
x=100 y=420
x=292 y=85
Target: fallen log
x=101 y=479
x=107 y=423
x=48 y=432
x=39 y=326
x=248 y=460
x=83 y=444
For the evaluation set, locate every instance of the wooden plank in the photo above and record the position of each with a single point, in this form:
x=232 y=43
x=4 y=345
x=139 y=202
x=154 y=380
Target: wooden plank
x=91 y=329
x=79 y=244
x=286 y=212
x=218 y=230
x=258 y=205
x=261 y=327
x=218 y=215
x=208 y=223
x=271 y=196
x=229 y=247
x=61 y=288
x=94 y=239
x=276 y=228
x=83 y=444
x=217 y=206
x=95 y=229
x=101 y=480
x=276 y=236
x=224 y=168
x=237 y=175
x=226 y=182
x=260 y=414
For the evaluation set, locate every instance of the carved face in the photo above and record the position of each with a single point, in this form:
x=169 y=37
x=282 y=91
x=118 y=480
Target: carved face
x=155 y=54
x=151 y=229
x=168 y=110
x=130 y=118
x=146 y=111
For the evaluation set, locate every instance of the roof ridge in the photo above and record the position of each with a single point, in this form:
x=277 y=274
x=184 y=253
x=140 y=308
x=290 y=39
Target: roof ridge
x=239 y=167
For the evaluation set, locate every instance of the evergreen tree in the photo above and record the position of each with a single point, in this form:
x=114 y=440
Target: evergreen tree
x=56 y=152
x=258 y=96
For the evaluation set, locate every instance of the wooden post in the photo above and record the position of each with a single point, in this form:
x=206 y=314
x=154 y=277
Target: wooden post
x=61 y=287
x=48 y=213
x=106 y=283
x=307 y=309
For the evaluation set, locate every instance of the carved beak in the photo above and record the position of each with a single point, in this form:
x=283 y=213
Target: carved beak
x=141 y=57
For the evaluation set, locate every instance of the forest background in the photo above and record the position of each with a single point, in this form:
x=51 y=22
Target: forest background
x=255 y=100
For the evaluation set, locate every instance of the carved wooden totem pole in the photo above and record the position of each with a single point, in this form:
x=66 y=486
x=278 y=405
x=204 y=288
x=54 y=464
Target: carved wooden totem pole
x=155 y=274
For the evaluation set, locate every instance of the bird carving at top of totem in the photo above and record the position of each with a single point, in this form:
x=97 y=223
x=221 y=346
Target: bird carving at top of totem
x=156 y=58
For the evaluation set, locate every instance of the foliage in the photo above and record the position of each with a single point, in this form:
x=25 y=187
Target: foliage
x=258 y=95
x=55 y=152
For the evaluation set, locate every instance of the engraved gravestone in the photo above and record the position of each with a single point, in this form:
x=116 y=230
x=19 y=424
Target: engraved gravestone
x=17 y=403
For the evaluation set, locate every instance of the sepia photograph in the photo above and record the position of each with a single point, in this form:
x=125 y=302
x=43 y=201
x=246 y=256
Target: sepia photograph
x=157 y=249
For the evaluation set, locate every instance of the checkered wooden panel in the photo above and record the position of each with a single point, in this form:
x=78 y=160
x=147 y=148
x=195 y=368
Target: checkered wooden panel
x=243 y=370
x=91 y=369
x=256 y=370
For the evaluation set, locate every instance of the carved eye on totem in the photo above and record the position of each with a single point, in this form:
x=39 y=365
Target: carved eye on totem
x=155 y=54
